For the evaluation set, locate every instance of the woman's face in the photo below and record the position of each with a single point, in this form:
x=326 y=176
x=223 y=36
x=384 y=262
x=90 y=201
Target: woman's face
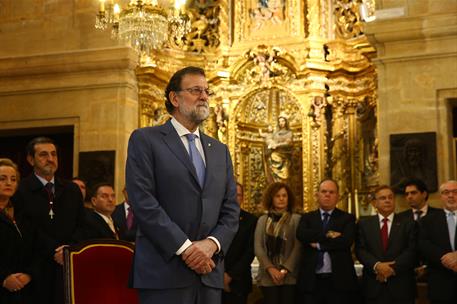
x=280 y=200
x=282 y=122
x=8 y=182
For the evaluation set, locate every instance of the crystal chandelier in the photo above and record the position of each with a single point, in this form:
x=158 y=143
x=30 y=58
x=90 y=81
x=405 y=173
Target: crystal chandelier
x=144 y=24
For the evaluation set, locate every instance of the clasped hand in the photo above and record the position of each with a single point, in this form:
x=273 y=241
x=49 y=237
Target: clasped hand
x=16 y=281
x=277 y=276
x=198 y=256
x=449 y=260
x=384 y=270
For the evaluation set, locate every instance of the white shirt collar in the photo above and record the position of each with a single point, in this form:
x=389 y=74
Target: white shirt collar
x=390 y=217
x=423 y=209
x=43 y=180
x=181 y=130
x=449 y=211
x=323 y=211
x=108 y=220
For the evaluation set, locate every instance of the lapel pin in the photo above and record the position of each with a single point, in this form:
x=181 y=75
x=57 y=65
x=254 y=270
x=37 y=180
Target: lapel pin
x=209 y=144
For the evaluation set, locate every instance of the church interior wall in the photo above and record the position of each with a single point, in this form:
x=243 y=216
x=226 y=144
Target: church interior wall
x=55 y=67
x=416 y=64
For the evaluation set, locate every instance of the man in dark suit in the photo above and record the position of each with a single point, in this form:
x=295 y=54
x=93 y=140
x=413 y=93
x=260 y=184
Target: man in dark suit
x=55 y=208
x=98 y=222
x=416 y=195
x=386 y=246
x=438 y=246
x=237 y=262
x=181 y=187
x=327 y=273
x=125 y=219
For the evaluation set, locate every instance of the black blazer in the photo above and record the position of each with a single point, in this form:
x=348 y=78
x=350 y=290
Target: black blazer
x=310 y=230
x=18 y=245
x=240 y=255
x=401 y=249
x=31 y=200
x=95 y=227
x=433 y=244
x=120 y=221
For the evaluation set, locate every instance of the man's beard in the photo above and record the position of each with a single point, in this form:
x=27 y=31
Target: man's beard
x=198 y=114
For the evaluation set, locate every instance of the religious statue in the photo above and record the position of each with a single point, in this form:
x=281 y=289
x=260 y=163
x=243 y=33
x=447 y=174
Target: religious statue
x=278 y=151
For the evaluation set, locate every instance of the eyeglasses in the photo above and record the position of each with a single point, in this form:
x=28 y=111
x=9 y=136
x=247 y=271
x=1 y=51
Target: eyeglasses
x=449 y=192
x=198 y=91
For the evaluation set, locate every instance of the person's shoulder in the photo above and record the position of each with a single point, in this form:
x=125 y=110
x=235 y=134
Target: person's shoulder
x=153 y=129
x=247 y=214
x=367 y=219
x=432 y=215
x=310 y=214
x=405 y=215
x=30 y=181
x=432 y=210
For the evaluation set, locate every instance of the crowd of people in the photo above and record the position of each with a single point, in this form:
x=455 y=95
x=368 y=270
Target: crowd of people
x=193 y=243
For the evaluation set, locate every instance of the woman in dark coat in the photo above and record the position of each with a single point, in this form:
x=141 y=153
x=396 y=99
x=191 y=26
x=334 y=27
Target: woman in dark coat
x=17 y=238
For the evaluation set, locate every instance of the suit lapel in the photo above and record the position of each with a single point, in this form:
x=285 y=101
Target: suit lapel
x=376 y=233
x=58 y=188
x=176 y=146
x=210 y=156
x=394 y=232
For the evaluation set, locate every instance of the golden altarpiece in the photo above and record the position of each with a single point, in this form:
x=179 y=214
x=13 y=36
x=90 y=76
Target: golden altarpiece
x=295 y=92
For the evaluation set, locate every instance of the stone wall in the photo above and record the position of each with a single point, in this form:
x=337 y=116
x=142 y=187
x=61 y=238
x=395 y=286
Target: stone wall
x=56 y=69
x=417 y=65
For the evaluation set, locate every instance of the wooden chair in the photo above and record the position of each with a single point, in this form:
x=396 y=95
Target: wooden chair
x=97 y=272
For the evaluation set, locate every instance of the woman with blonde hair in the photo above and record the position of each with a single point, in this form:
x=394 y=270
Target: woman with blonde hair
x=17 y=261
x=276 y=245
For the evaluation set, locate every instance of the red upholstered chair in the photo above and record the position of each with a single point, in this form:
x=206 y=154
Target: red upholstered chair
x=97 y=272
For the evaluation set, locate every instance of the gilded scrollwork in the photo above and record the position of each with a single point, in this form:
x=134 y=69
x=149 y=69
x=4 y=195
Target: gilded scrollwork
x=316 y=72
x=347 y=20
x=204 y=34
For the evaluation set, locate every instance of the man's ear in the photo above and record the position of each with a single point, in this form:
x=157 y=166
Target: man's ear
x=30 y=160
x=92 y=200
x=173 y=98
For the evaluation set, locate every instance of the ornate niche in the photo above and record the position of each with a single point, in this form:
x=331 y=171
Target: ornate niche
x=268 y=143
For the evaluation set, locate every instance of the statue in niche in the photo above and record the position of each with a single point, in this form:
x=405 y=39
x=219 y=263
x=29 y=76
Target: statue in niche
x=221 y=123
x=278 y=151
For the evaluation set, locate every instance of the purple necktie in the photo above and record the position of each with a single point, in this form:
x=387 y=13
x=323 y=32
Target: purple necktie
x=129 y=218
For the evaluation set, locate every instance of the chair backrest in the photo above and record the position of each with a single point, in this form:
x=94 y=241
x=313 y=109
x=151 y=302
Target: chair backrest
x=97 y=272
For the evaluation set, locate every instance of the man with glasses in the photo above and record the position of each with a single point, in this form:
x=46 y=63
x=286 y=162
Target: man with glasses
x=98 y=223
x=386 y=246
x=183 y=194
x=437 y=243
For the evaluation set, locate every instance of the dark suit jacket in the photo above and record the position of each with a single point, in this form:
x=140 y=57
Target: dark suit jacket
x=401 y=249
x=433 y=244
x=95 y=227
x=120 y=221
x=310 y=230
x=31 y=200
x=240 y=255
x=171 y=207
x=17 y=255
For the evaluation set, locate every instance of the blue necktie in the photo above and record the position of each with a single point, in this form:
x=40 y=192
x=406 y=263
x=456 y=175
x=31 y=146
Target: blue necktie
x=451 y=227
x=196 y=158
x=320 y=254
